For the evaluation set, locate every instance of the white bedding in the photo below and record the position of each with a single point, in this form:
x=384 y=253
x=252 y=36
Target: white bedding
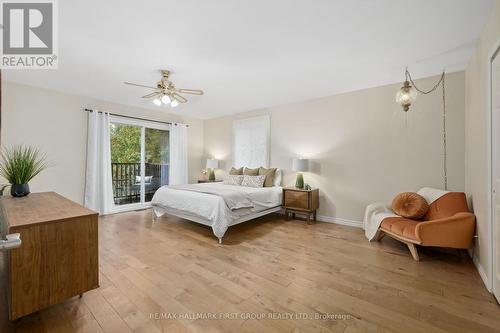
x=211 y=208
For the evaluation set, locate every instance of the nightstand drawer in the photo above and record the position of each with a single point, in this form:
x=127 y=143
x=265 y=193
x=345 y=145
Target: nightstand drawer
x=297 y=199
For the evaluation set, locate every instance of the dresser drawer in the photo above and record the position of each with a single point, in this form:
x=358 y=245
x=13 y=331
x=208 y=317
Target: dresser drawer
x=297 y=199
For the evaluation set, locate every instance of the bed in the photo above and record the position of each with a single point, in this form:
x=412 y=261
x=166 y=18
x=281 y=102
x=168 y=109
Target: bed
x=216 y=204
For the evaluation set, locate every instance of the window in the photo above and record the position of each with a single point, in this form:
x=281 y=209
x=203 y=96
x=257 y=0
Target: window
x=140 y=152
x=251 y=138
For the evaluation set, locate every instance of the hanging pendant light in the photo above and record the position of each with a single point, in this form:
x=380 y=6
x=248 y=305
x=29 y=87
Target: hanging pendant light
x=406 y=95
x=157 y=101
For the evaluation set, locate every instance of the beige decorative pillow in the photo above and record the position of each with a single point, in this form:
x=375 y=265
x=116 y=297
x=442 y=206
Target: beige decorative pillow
x=410 y=205
x=269 y=173
x=251 y=172
x=235 y=171
x=253 y=181
x=233 y=180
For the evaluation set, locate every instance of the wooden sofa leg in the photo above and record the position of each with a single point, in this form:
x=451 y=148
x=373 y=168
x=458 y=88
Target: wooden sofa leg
x=413 y=251
x=381 y=235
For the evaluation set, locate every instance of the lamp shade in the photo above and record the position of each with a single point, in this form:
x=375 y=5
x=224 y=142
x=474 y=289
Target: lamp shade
x=212 y=164
x=300 y=164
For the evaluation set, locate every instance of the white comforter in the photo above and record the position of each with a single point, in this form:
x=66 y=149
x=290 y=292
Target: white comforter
x=232 y=195
x=211 y=208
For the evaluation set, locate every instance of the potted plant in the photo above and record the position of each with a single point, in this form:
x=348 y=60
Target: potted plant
x=18 y=165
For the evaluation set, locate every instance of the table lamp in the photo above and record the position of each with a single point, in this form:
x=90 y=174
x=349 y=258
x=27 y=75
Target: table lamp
x=211 y=165
x=300 y=165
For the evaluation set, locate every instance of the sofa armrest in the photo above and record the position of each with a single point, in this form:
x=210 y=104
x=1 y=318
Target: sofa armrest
x=455 y=231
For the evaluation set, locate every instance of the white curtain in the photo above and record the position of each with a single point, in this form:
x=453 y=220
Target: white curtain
x=178 y=155
x=98 y=184
x=251 y=138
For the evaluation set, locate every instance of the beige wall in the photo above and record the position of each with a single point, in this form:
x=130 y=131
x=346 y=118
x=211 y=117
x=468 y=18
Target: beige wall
x=361 y=146
x=57 y=124
x=476 y=139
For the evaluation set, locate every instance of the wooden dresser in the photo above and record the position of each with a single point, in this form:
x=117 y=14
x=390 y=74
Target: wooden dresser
x=298 y=200
x=58 y=257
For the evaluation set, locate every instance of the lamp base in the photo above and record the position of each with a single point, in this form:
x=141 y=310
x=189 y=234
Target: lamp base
x=299 y=183
x=211 y=175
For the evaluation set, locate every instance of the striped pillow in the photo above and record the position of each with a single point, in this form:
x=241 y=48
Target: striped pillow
x=253 y=181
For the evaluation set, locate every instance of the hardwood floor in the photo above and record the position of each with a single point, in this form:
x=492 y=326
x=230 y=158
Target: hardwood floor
x=152 y=272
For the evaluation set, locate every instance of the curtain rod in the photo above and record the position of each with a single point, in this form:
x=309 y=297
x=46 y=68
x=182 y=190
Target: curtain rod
x=137 y=118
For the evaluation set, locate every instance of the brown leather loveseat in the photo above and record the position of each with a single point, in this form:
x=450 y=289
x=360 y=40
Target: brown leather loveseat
x=448 y=223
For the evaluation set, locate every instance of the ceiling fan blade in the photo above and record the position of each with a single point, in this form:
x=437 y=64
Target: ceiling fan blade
x=179 y=98
x=140 y=85
x=153 y=94
x=191 y=91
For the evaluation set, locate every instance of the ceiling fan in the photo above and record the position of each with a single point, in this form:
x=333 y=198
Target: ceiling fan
x=166 y=92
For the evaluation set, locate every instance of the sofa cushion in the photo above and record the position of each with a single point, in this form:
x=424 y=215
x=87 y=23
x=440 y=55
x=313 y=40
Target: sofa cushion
x=447 y=205
x=410 y=205
x=401 y=227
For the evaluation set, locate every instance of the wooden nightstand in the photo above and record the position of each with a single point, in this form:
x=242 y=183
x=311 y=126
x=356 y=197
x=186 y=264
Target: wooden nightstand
x=296 y=200
x=209 y=181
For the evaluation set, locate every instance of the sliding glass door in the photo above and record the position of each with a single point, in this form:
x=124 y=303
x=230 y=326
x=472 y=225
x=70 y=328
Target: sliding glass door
x=125 y=163
x=139 y=160
x=156 y=160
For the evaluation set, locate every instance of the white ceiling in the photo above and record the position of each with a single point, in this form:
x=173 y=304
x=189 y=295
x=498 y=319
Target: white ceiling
x=251 y=54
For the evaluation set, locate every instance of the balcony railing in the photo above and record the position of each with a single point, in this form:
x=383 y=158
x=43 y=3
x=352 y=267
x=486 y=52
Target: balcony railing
x=127 y=181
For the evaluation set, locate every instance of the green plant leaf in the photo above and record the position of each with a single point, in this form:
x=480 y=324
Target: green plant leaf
x=19 y=164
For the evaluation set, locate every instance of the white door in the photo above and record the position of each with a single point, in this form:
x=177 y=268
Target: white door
x=495 y=113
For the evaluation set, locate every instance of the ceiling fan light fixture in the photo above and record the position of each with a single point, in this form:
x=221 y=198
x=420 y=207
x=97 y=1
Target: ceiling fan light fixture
x=165 y=99
x=165 y=91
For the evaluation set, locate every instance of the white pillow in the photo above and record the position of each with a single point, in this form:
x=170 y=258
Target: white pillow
x=278 y=175
x=233 y=180
x=253 y=181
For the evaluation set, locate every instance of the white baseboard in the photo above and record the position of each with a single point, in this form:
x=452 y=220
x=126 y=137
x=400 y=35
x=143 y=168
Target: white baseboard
x=482 y=272
x=337 y=220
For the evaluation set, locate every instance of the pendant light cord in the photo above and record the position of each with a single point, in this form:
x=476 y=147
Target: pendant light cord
x=441 y=82
x=409 y=78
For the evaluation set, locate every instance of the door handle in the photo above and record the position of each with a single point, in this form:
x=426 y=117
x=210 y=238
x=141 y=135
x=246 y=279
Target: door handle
x=10 y=242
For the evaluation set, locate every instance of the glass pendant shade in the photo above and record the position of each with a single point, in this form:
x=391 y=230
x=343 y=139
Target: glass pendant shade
x=406 y=96
x=165 y=99
x=174 y=103
x=157 y=101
